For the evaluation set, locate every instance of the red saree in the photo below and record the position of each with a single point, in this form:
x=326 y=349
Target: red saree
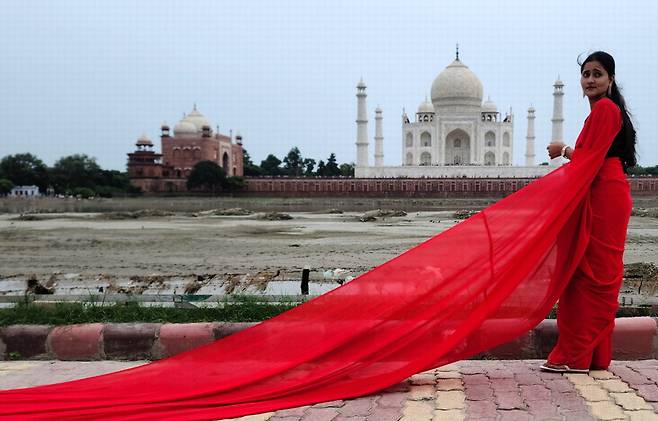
x=479 y=284
x=587 y=307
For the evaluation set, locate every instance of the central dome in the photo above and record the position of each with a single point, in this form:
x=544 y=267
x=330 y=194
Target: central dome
x=198 y=119
x=457 y=85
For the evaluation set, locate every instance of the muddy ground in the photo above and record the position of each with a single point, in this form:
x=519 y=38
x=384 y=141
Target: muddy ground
x=184 y=239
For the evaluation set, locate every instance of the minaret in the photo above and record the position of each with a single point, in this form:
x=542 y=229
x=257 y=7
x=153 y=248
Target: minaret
x=557 y=119
x=361 y=126
x=530 y=139
x=379 y=139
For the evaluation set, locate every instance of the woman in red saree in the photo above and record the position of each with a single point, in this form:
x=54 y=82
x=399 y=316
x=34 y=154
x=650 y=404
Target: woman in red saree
x=587 y=307
x=479 y=284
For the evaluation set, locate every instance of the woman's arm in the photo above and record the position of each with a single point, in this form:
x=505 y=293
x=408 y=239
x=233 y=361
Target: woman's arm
x=555 y=150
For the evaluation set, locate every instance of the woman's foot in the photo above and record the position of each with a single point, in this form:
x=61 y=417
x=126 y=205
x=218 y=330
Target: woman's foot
x=561 y=368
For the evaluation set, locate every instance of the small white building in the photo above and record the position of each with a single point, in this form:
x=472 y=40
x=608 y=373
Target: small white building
x=25 y=191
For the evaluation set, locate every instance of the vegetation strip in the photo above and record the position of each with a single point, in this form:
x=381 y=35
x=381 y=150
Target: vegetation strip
x=233 y=309
x=244 y=310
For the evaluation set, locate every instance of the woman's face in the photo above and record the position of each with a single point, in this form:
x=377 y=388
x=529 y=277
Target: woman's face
x=594 y=80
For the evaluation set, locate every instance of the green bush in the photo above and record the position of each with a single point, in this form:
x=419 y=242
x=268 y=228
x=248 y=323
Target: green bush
x=83 y=192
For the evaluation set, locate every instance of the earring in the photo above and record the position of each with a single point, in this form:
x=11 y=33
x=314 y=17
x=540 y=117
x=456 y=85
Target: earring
x=610 y=89
x=583 y=93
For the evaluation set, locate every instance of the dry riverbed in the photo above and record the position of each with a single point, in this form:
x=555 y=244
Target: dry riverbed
x=127 y=244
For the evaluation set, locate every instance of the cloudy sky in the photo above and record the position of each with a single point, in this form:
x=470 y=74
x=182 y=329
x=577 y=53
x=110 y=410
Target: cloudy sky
x=92 y=76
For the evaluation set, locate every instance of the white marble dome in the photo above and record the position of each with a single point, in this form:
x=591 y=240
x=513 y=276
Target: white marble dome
x=426 y=107
x=144 y=140
x=489 y=107
x=184 y=127
x=197 y=119
x=457 y=84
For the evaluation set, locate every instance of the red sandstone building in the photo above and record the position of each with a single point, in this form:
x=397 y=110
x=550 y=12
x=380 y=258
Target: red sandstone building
x=193 y=141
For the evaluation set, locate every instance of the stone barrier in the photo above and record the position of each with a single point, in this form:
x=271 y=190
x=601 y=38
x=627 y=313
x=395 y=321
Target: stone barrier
x=634 y=338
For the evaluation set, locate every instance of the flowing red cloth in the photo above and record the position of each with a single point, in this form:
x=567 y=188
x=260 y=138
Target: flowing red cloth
x=479 y=284
x=587 y=307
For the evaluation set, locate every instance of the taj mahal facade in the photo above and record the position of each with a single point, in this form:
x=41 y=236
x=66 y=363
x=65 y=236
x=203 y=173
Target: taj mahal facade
x=455 y=135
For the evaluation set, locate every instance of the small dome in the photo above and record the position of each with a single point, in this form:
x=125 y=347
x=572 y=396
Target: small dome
x=457 y=84
x=184 y=127
x=378 y=110
x=489 y=106
x=144 y=140
x=361 y=84
x=426 y=107
x=197 y=119
x=531 y=109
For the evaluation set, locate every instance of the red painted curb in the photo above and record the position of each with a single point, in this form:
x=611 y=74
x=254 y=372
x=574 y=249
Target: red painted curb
x=25 y=341
x=545 y=337
x=633 y=338
x=225 y=329
x=177 y=338
x=129 y=340
x=76 y=342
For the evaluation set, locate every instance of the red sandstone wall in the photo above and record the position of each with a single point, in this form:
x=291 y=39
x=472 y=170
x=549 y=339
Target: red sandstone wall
x=237 y=161
x=410 y=187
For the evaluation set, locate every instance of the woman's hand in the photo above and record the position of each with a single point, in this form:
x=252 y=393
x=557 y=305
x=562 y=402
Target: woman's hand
x=555 y=149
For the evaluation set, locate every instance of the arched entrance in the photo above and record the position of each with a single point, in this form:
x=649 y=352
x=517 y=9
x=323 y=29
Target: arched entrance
x=458 y=148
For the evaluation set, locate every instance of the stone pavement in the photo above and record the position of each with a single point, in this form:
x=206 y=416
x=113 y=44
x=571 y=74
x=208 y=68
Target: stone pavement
x=468 y=390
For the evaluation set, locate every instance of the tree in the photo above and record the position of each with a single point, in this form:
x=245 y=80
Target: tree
x=5 y=186
x=114 y=179
x=250 y=169
x=639 y=170
x=293 y=162
x=309 y=164
x=322 y=170
x=207 y=176
x=332 y=169
x=347 y=170
x=235 y=183
x=76 y=171
x=25 y=169
x=270 y=165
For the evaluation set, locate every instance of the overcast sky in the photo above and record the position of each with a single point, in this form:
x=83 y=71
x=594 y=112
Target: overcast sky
x=92 y=76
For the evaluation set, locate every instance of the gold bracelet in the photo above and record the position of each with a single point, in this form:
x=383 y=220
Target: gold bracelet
x=563 y=153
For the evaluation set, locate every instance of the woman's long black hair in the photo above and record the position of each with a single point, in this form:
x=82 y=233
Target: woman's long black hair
x=626 y=136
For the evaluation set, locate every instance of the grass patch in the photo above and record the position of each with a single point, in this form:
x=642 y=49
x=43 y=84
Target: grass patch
x=245 y=309
x=242 y=309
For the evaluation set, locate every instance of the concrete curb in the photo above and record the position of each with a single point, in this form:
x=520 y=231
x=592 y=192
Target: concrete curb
x=634 y=338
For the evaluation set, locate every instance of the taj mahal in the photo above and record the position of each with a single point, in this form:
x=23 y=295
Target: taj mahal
x=454 y=135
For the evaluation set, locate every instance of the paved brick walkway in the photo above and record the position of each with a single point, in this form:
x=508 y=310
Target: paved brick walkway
x=468 y=390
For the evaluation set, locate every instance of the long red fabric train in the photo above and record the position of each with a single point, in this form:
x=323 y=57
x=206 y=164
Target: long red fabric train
x=479 y=284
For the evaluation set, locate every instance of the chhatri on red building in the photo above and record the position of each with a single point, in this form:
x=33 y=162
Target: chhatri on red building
x=193 y=141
